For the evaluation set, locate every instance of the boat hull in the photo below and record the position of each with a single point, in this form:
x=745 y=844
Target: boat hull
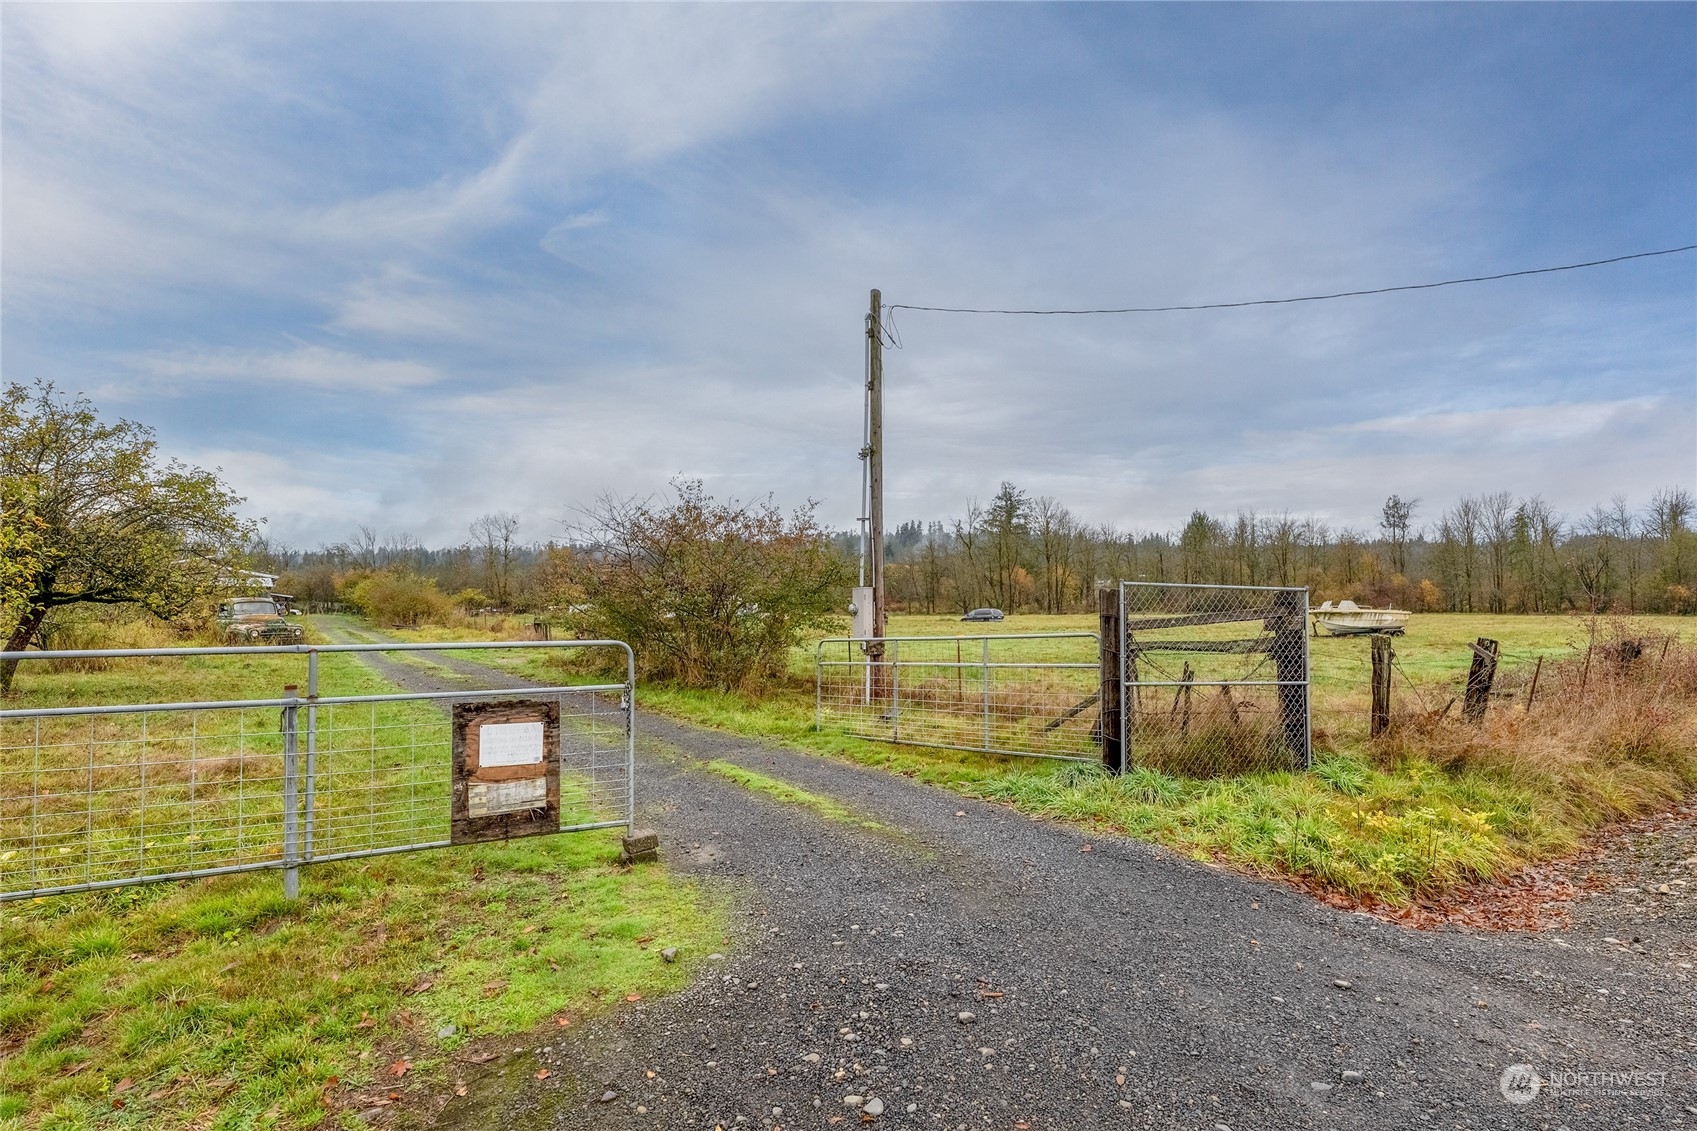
x=1361 y=624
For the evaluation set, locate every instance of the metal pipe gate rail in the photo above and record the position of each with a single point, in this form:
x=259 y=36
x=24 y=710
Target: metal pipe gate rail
x=952 y=692
x=103 y=796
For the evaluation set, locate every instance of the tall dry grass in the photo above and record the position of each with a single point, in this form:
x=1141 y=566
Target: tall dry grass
x=1610 y=733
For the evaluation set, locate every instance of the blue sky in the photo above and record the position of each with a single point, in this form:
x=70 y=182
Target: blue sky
x=403 y=265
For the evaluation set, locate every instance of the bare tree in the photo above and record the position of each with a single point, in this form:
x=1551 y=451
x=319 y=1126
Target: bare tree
x=1056 y=532
x=1496 y=522
x=1281 y=535
x=1458 y=552
x=362 y=554
x=494 y=534
x=1623 y=525
x=969 y=568
x=1669 y=512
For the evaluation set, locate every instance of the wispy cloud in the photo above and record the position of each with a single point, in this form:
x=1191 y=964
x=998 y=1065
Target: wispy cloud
x=282 y=372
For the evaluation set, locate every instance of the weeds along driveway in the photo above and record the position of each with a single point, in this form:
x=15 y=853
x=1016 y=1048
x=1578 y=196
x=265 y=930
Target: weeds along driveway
x=963 y=966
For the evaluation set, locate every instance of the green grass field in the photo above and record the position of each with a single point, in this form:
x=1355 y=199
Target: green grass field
x=218 y=1003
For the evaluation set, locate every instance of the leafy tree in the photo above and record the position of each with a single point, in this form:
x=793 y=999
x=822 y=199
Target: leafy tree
x=1395 y=520
x=1196 y=546
x=97 y=518
x=1007 y=534
x=712 y=594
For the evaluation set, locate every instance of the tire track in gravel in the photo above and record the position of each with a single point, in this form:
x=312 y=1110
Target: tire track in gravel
x=1109 y=983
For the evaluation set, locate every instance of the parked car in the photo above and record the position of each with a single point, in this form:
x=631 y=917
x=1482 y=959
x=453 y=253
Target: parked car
x=983 y=614
x=256 y=620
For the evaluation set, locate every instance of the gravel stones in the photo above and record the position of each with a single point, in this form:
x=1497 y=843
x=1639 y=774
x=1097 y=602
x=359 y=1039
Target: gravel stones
x=966 y=1017
x=873 y=1107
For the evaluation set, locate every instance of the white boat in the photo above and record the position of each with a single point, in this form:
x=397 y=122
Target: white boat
x=1346 y=618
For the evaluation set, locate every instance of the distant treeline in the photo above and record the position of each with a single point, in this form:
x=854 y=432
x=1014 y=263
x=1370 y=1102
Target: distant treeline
x=1483 y=553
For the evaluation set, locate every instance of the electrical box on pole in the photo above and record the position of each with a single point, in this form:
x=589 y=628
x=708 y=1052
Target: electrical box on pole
x=860 y=609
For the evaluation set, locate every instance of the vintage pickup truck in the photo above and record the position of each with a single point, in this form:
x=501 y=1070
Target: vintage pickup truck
x=257 y=620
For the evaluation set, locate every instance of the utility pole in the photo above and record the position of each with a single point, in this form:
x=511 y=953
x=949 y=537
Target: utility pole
x=875 y=492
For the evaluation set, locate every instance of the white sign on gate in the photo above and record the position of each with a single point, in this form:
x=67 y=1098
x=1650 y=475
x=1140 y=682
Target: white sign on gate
x=509 y=744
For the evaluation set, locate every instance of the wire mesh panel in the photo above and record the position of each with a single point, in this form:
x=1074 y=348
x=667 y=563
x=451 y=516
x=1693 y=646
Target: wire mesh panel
x=87 y=800
x=1031 y=694
x=1215 y=678
x=381 y=775
x=103 y=795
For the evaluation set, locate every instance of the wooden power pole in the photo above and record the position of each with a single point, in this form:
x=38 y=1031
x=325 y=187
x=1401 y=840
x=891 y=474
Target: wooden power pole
x=875 y=493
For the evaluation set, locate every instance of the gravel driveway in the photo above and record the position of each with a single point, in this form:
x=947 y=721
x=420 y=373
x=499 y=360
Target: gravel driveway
x=965 y=967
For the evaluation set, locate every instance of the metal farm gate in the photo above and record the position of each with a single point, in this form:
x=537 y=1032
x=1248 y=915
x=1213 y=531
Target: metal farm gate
x=1202 y=693
x=109 y=794
x=1029 y=694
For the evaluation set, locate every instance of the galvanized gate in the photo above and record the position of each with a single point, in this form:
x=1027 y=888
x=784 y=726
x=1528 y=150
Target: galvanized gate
x=1032 y=694
x=105 y=795
x=1202 y=696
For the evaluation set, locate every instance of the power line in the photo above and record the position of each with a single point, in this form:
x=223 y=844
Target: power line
x=1306 y=298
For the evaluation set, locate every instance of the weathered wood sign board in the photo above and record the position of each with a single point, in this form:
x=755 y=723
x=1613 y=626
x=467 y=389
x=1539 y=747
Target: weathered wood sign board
x=506 y=770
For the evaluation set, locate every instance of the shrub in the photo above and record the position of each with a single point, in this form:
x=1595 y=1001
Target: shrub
x=398 y=596
x=710 y=594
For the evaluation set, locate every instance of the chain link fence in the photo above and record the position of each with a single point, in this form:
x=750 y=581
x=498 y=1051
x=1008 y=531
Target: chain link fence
x=1030 y=694
x=104 y=795
x=1215 y=678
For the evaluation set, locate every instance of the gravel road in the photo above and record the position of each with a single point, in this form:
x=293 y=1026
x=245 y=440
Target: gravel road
x=965 y=967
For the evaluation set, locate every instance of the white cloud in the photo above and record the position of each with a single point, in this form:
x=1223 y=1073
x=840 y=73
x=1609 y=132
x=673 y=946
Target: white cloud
x=311 y=366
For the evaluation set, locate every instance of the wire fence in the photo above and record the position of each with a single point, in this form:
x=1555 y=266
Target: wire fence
x=1030 y=694
x=104 y=795
x=1215 y=678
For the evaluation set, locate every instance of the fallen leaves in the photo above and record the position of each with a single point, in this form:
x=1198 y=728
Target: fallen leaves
x=633 y=997
x=543 y=1074
x=494 y=989
x=400 y=1068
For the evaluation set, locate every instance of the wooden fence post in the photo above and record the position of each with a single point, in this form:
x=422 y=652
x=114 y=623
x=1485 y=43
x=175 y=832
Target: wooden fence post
x=1532 y=692
x=1288 y=622
x=1108 y=626
x=1382 y=657
x=1480 y=676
